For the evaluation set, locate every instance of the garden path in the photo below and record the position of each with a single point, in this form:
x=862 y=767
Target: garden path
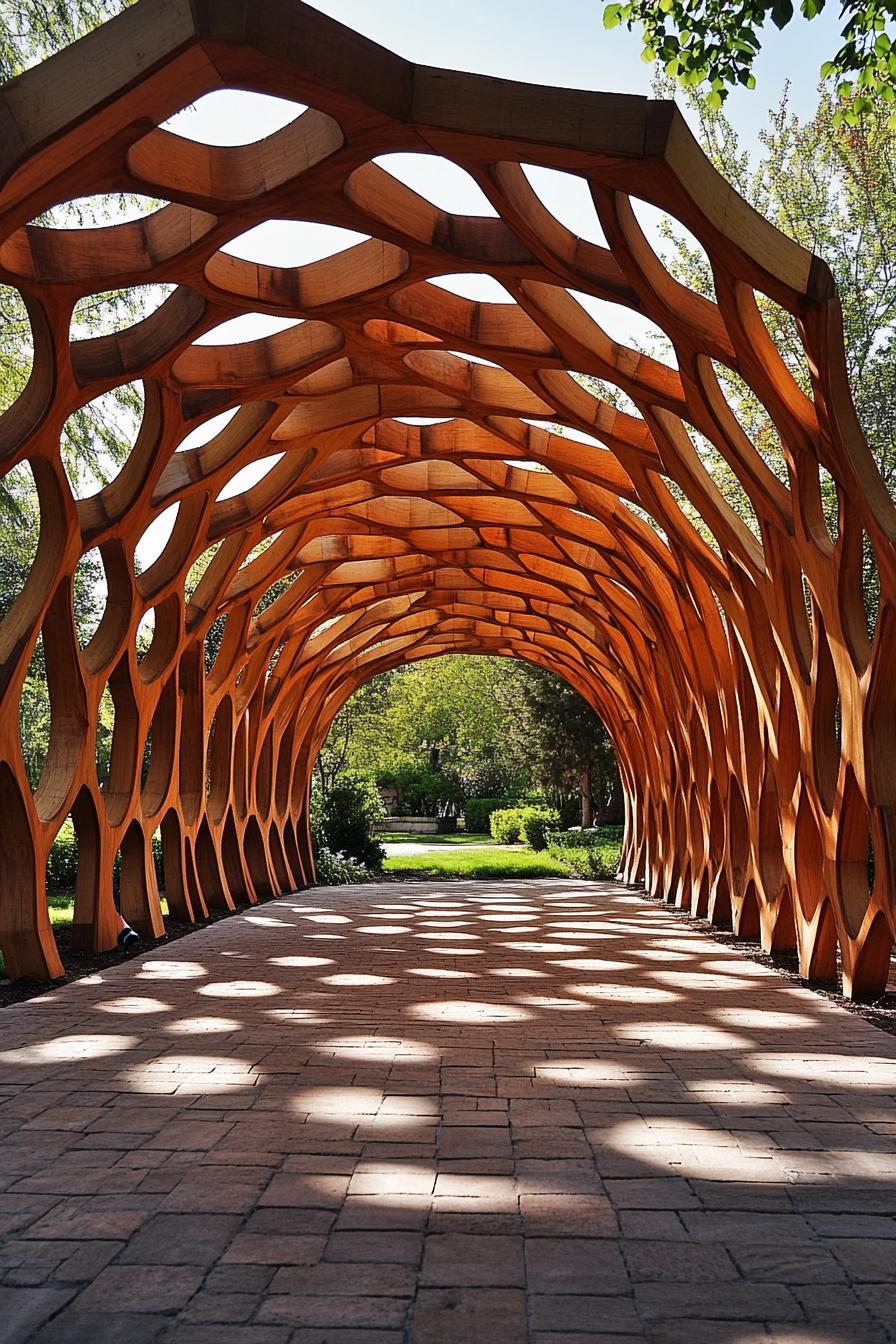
x=487 y=1112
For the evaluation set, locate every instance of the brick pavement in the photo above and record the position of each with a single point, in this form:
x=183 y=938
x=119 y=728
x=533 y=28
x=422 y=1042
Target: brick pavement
x=481 y=1112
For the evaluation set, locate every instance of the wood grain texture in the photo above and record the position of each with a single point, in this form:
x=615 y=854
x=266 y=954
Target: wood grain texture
x=750 y=696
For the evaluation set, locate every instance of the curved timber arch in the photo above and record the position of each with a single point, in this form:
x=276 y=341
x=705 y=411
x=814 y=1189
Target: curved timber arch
x=749 y=693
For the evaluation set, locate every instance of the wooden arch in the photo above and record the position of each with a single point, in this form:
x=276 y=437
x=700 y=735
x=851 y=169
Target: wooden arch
x=750 y=694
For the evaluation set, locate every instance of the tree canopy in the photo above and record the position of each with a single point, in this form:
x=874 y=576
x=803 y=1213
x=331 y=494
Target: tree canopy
x=471 y=726
x=711 y=43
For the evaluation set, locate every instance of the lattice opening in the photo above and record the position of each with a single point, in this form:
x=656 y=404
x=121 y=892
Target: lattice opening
x=90 y=212
x=247 y=327
x=478 y=288
x=223 y=116
x=568 y=198
x=98 y=439
x=112 y=312
x=16 y=346
x=677 y=247
x=291 y=242
x=439 y=181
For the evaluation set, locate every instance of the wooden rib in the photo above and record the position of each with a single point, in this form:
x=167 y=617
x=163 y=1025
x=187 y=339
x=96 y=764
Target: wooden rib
x=751 y=709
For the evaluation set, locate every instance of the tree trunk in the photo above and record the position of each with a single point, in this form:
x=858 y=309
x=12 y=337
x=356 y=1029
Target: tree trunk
x=587 y=807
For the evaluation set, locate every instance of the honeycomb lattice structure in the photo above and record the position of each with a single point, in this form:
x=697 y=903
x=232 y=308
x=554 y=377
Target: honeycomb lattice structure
x=750 y=695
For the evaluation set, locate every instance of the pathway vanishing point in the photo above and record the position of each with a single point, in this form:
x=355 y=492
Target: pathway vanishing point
x=471 y=1112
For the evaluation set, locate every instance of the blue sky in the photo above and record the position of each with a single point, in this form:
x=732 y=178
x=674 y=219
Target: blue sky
x=564 y=43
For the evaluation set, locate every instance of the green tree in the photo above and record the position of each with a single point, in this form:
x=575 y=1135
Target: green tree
x=451 y=714
x=832 y=187
x=570 y=751
x=356 y=738
x=493 y=727
x=31 y=30
x=709 y=42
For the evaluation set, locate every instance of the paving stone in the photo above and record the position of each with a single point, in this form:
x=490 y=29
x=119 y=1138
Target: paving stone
x=87 y=1260
x=387 y=1246
x=723 y=1301
x=151 y=1288
x=668 y=1192
x=335 y=1312
x=675 y=1261
x=305 y=1192
x=253 y=1248
x=181 y=1239
x=464 y=1315
x=223 y=1308
x=232 y=1278
x=810 y=1262
x=81 y=1219
x=584 y=1337
x=568 y=1215
x=291 y=1222
x=864 y=1259
x=574 y=1265
x=456 y=1258
x=24 y=1310
x=583 y=1314
x=326 y=1335
x=203 y=1191
x=651 y=1225
x=281 y=1183
x=102 y=1327
x=365 y=1280
x=184 y=1333
x=362 y=1213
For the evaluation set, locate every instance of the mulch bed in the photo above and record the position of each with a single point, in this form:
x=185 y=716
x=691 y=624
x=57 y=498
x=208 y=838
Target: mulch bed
x=78 y=964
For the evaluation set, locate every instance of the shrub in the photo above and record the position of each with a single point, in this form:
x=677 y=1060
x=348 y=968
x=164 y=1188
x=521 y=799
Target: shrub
x=536 y=822
x=505 y=825
x=588 y=853
x=511 y=825
x=478 y=813
x=579 y=837
x=62 y=863
x=343 y=821
x=338 y=870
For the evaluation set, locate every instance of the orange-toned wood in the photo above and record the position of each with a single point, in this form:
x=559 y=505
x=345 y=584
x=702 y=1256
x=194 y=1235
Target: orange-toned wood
x=752 y=711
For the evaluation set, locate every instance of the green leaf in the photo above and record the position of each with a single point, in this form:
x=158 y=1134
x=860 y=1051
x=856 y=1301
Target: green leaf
x=612 y=16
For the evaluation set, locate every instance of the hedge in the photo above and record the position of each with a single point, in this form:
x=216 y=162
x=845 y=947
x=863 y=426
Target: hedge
x=511 y=825
x=587 y=853
x=580 y=837
x=478 y=813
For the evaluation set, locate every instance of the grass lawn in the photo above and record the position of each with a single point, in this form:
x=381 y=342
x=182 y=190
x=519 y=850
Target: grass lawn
x=482 y=863
x=62 y=907
x=454 y=838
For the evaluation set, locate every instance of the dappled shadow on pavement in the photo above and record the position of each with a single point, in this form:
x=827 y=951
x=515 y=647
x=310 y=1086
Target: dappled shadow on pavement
x=490 y=1112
